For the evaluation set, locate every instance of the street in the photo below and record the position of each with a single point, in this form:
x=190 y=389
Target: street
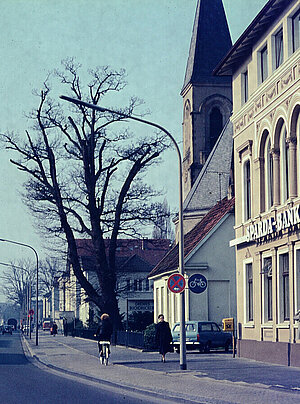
x=21 y=382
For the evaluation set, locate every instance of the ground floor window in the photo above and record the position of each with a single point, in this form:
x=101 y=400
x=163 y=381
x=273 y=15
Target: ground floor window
x=249 y=292
x=284 y=293
x=267 y=289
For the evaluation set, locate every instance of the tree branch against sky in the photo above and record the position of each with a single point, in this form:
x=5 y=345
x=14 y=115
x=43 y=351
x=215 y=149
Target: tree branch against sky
x=85 y=178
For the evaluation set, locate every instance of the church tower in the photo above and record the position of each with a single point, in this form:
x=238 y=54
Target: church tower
x=207 y=99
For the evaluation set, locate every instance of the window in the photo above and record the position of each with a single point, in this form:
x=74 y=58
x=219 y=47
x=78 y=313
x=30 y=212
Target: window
x=284 y=298
x=264 y=64
x=296 y=31
x=215 y=126
x=147 y=285
x=140 y=285
x=269 y=174
x=245 y=86
x=215 y=327
x=249 y=293
x=267 y=289
x=297 y=281
x=284 y=162
x=205 y=327
x=247 y=190
x=278 y=48
x=135 y=285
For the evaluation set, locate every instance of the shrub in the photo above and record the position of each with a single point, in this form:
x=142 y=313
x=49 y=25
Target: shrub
x=149 y=337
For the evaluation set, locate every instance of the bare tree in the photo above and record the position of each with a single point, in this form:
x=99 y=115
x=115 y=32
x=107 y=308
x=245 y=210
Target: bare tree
x=163 y=228
x=16 y=279
x=85 y=179
x=50 y=269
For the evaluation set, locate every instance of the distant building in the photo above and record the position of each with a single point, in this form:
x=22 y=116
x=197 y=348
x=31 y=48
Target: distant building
x=135 y=258
x=265 y=66
x=206 y=252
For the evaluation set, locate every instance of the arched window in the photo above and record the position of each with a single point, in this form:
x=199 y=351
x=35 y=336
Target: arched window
x=247 y=190
x=269 y=176
x=186 y=129
x=284 y=164
x=215 y=126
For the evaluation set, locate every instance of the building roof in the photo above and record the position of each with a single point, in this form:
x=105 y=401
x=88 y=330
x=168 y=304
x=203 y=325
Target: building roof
x=242 y=49
x=213 y=180
x=148 y=252
x=210 y=42
x=194 y=237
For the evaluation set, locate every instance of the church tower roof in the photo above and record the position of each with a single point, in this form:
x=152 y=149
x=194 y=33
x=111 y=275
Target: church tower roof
x=209 y=44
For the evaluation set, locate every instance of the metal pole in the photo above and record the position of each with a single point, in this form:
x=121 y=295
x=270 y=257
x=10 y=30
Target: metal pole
x=30 y=309
x=37 y=283
x=180 y=216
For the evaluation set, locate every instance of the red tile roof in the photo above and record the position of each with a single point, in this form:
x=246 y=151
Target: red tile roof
x=150 y=250
x=193 y=238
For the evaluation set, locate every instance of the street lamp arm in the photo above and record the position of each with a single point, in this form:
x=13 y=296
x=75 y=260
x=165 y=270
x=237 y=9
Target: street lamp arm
x=102 y=109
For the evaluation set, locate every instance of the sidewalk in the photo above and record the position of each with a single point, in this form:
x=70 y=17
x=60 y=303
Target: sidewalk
x=141 y=371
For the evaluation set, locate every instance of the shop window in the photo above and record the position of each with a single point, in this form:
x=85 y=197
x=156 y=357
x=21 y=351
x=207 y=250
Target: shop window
x=264 y=64
x=297 y=279
x=247 y=190
x=296 y=31
x=267 y=289
x=278 y=48
x=284 y=298
x=249 y=293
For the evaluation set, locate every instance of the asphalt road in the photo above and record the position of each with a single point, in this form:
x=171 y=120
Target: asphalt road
x=23 y=383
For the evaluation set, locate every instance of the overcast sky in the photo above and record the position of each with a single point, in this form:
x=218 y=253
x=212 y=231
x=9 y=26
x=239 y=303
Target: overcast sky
x=149 y=38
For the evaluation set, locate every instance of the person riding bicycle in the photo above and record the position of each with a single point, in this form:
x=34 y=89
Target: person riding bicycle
x=104 y=331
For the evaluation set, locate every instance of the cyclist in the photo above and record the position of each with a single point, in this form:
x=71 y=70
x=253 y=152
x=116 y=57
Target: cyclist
x=104 y=332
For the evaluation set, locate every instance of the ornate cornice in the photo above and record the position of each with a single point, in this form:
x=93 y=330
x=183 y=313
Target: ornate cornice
x=271 y=92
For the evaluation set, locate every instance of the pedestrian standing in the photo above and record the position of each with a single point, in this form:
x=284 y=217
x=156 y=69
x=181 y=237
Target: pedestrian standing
x=163 y=337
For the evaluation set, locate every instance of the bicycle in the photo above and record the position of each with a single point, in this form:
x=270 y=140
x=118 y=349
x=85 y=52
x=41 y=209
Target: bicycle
x=104 y=352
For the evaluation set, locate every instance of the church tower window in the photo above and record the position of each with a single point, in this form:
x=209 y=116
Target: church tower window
x=215 y=126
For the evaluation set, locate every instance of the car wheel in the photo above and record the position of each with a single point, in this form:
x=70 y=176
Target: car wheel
x=207 y=347
x=227 y=345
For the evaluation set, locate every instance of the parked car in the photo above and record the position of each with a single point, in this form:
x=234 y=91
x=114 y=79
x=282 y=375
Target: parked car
x=7 y=329
x=47 y=325
x=202 y=335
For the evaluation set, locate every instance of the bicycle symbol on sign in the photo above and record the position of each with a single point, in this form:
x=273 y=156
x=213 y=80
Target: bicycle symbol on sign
x=198 y=282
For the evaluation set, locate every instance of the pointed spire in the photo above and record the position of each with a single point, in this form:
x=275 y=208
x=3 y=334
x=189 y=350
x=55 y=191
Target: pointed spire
x=209 y=44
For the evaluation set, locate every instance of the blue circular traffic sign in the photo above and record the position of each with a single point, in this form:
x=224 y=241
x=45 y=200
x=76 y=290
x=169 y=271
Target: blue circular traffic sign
x=197 y=283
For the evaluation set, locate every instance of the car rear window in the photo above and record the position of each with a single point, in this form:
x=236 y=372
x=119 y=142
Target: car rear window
x=205 y=327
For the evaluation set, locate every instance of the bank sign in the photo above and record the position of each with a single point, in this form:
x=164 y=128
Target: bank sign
x=283 y=220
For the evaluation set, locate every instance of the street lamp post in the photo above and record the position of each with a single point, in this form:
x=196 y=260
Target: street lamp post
x=37 y=284
x=180 y=213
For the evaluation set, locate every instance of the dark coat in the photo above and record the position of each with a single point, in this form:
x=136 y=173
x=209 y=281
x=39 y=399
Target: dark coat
x=104 y=331
x=163 y=337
